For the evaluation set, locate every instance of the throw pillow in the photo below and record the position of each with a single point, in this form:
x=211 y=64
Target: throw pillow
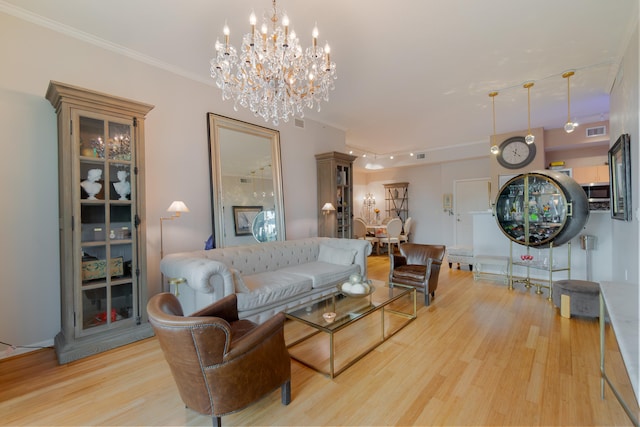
x=336 y=255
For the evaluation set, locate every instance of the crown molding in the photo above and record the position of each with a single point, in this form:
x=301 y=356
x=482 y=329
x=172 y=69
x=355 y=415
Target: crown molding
x=58 y=27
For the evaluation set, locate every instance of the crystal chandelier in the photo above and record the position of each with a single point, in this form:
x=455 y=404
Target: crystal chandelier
x=271 y=74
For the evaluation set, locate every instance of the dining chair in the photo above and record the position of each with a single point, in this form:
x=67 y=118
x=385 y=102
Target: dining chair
x=394 y=229
x=404 y=237
x=360 y=232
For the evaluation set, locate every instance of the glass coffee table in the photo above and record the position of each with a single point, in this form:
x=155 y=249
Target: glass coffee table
x=360 y=325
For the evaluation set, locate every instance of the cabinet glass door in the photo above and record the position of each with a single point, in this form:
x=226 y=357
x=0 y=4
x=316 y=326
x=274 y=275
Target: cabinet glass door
x=106 y=255
x=531 y=209
x=343 y=197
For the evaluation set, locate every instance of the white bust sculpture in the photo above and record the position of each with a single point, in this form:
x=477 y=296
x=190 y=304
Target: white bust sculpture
x=122 y=187
x=91 y=184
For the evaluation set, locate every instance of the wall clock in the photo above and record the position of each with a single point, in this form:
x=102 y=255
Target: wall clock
x=515 y=153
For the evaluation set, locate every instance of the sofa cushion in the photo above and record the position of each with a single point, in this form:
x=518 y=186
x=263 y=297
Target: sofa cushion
x=411 y=272
x=238 y=282
x=334 y=255
x=323 y=274
x=270 y=287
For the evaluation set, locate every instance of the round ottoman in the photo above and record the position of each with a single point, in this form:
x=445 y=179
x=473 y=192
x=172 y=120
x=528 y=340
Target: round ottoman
x=583 y=297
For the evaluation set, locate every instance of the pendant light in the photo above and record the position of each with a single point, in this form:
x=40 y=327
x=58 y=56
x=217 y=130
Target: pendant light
x=569 y=126
x=494 y=147
x=529 y=138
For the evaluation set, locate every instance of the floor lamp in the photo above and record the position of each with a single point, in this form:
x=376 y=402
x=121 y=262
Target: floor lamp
x=177 y=207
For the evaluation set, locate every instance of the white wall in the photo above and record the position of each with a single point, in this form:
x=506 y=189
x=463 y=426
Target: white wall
x=177 y=165
x=624 y=118
x=427 y=184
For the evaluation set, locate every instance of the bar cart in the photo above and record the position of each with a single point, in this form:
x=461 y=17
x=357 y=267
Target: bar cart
x=540 y=210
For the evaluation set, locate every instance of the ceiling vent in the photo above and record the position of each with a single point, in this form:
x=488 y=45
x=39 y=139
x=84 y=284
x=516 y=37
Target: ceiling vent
x=299 y=123
x=421 y=156
x=596 y=131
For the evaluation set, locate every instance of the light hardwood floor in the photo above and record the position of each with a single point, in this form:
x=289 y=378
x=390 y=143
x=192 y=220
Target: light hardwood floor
x=479 y=355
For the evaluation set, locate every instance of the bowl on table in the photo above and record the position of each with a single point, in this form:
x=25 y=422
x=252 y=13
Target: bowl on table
x=356 y=290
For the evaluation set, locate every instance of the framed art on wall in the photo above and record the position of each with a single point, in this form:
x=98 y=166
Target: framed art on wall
x=243 y=217
x=620 y=178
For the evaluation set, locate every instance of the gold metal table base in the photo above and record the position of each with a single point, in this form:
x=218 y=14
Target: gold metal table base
x=549 y=267
x=528 y=283
x=332 y=372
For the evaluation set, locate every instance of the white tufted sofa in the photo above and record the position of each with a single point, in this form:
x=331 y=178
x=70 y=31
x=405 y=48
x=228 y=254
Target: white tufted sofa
x=266 y=277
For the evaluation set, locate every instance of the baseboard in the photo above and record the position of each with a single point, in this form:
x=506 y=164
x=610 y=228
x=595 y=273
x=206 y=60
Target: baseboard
x=18 y=350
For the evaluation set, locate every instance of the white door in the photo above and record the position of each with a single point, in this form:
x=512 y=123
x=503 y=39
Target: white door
x=469 y=195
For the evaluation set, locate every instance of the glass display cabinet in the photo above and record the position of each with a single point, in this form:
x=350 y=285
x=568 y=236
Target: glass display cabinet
x=102 y=237
x=335 y=185
x=541 y=210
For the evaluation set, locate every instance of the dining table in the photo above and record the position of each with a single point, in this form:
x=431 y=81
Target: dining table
x=379 y=231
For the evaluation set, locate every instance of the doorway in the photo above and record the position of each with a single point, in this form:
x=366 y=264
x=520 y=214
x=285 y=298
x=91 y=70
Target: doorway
x=469 y=195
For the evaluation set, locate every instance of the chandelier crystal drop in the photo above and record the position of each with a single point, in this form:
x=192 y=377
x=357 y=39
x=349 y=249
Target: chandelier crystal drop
x=271 y=74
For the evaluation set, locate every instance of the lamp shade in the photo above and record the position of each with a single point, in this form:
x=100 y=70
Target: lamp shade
x=328 y=207
x=178 y=206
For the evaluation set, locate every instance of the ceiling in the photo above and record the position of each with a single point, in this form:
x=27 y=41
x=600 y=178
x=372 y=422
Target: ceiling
x=413 y=75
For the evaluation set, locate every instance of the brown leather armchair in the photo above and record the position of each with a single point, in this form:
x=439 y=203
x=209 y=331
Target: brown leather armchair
x=219 y=363
x=418 y=265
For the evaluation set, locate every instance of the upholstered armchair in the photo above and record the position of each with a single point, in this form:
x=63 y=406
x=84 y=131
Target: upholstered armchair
x=417 y=265
x=219 y=363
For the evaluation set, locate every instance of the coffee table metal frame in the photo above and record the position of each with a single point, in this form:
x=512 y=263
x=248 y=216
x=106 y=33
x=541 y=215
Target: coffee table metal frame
x=307 y=312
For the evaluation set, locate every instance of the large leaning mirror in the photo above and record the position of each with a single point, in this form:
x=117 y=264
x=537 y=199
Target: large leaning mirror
x=246 y=182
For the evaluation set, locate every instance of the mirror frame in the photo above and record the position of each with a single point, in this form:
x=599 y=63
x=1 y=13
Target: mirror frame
x=216 y=122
